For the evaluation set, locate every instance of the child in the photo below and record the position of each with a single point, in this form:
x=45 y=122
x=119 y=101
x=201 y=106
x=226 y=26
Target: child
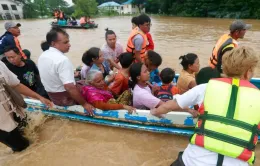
x=226 y=106
x=142 y=95
x=95 y=92
x=167 y=90
x=191 y=65
x=94 y=58
x=152 y=61
x=120 y=84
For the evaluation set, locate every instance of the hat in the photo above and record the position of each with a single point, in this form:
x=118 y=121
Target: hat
x=239 y=25
x=11 y=25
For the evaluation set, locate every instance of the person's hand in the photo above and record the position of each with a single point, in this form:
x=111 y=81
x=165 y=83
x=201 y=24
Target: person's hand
x=129 y=109
x=154 y=113
x=155 y=89
x=89 y=108
x=193 y=112
x=76 y=74
x=47 y=102
x=111 y=78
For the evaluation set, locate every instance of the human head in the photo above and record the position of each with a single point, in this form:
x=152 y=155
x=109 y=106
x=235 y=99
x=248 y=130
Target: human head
x=95 y=78
x=153 y=60
x=73 y=18
x=144 y=23
x=110 y=38
x=134 y=22
x=59 y=39
x=139 y=74
x=13 y=55
x=238 y=29
x=205 y=74
x=190 y=62
x=240 y=62
x=93 y=55
x=45 y=46
x=167 y=75
x=27 y=53
x=126 y=59
x=13 y=28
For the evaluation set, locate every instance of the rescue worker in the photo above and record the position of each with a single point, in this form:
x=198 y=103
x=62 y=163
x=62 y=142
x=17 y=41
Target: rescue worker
x=137 y=41
x=227 y=42
x=229 y=122
x=10 y=38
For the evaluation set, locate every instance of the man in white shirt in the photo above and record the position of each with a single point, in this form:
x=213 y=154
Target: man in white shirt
x=57 y=73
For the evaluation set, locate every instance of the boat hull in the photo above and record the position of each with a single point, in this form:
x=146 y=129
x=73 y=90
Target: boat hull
x=178 y=123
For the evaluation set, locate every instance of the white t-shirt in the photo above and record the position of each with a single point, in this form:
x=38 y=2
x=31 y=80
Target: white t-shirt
x=55 y=70
x=193 y=154
x=143 y=98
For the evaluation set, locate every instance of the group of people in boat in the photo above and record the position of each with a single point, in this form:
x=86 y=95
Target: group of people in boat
x=113 y=78
x=62 y=20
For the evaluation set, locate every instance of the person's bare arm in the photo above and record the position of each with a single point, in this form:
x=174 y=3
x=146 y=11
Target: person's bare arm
x=114 y=64
x=24 y=90
x=75 y=94
x=192 y=84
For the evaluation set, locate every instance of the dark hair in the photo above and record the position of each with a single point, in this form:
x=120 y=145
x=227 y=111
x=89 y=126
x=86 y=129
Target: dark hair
x=13 y=48
x=109 y=32
x=126 y=59
x=52 y=35
x=154 y=58
x=89 y=55
x=167 y=75
x=143 y=18
x=27 y=53
x=73 y=18
x=135 y=71
x=45 y=46
x=205 y=74
x=187 y=60
x=135 y=20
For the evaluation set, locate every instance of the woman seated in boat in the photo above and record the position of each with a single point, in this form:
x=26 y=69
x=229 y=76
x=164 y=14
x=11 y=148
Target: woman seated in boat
x=96 y=93
x=94 y=58
x=142 y=94
x=73 y=21
x=62 y=22
x=191 y=65
x=226 y=106
x=83 y=21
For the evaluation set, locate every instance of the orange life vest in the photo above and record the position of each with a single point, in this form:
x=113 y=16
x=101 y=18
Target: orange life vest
x=17 y=43
x=130 y=45
x=224 y=42
x=56 y=14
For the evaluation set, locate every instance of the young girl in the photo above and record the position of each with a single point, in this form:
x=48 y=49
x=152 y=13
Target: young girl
x=191 y=65
x=95 y=92
x=94 y=58
x=142 y=95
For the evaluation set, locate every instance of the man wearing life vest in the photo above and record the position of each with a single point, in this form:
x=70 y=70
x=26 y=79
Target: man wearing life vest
x=10 y=38
x=137 y=41
x=229 y=122
x=227 y=42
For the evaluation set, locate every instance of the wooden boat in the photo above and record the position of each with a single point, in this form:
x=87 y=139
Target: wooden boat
x=75 y=26
x=179 y=123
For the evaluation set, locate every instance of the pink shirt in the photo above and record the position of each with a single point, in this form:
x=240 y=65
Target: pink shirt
x=143 y=98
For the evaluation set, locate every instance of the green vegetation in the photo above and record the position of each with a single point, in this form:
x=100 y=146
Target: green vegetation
x=206 y=8
x=85 y=7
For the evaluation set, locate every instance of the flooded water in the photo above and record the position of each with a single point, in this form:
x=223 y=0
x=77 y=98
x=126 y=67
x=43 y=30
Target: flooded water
x=62 y=142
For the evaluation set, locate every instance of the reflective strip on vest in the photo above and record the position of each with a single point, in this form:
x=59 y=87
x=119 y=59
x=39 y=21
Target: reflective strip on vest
x=229 y=120
x=130 y=45
x=224 y=41
x=17 y=43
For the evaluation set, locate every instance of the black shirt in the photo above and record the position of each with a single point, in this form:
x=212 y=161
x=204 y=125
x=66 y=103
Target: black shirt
x=27 y=74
